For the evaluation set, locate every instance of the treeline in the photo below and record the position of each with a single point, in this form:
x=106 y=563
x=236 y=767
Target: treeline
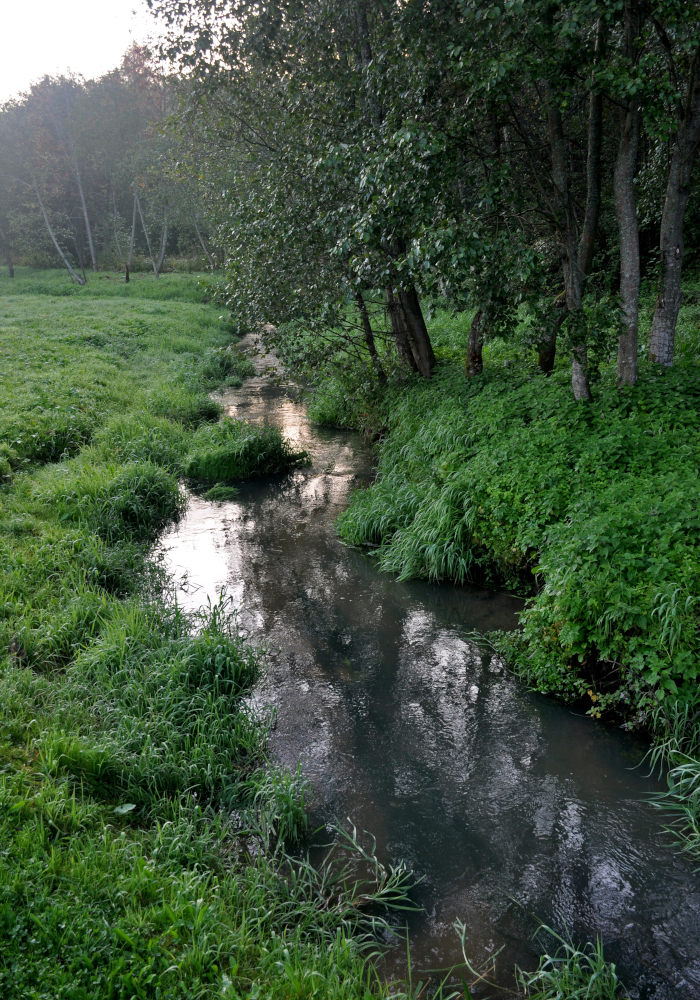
x=88 y=176
x=529 y=158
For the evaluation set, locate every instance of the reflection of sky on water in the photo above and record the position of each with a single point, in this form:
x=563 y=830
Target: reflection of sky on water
x=510 y=807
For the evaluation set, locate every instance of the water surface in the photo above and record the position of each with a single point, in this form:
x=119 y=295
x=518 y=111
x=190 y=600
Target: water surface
x=511 y=808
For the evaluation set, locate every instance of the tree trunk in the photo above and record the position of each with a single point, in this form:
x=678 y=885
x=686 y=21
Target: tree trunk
x=369 y=336
x=163 y=242
x=577 y=247
x=663 y=330
x=8 y=253
x=132 y=240
x=573 y=276
x=145 y=233
x=417 y=331
x=547 y=347
x=86 y=218
x=207 y=254
x=73 y=273
x=626 y=212
x=399 y=331
x=475 y=343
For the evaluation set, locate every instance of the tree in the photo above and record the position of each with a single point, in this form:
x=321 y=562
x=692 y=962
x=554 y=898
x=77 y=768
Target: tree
x=678 y=30
x=286 y=93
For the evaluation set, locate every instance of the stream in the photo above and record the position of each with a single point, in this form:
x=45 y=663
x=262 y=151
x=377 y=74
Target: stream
x=511 y=808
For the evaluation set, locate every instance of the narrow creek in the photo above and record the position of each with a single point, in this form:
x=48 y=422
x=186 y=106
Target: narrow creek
x=511 y=808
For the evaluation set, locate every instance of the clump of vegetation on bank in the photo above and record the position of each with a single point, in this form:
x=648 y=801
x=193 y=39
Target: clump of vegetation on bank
x=233 y=450
x=144 y=832
x=590 y=510
x=570 y=972
x=506 y=480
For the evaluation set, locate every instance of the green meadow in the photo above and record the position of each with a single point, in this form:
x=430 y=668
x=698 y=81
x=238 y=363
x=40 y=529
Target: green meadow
x=144 y=832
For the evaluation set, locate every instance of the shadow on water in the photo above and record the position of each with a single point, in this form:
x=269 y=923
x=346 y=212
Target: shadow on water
x=511 y=808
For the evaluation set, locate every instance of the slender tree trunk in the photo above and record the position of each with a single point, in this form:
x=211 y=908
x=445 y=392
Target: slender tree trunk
x=475 y=344
x=663 y=330
x=8 y=253
x=145 y=233
x=132 y=240
x=207 y=253
x=365 y=54
x=547 y=347
x=573 y=276
x=86 y=218
x=71 y=270
x=417 y=330
x=369 y=336
x=577 y=247
x=626 y=211
x=163 y=243
x=115 y=224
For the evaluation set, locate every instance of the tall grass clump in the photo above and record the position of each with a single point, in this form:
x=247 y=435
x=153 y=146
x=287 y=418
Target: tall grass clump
x=225 y=366
x=142 y=437
x=135 y=500
x=233 y=450
x=571 y=973
x=676 y=757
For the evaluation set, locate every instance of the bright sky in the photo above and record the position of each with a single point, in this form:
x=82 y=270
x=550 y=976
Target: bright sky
x=86 y=37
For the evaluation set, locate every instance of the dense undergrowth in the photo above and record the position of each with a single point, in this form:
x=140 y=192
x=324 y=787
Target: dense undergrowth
x=589 y=510
x=143 y=829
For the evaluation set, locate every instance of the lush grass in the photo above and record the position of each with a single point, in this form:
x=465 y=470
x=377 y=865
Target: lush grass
x=570 y=973
x=143 y=829
x=507 y=479
x=233 y=450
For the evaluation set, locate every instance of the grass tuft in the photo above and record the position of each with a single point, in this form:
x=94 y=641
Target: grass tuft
x=233 y=450
x=570 y=973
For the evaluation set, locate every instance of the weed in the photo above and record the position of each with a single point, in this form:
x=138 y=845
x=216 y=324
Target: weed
x=220 y=493
x=570 y=972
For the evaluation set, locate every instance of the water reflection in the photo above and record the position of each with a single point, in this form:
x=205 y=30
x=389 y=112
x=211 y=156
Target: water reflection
x=510 y=807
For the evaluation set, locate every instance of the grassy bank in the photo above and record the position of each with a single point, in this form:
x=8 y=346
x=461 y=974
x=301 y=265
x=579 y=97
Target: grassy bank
x=143 y=829
x=588 y=510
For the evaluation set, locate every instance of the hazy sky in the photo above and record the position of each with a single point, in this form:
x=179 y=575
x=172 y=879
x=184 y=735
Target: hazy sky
x=87 y=37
